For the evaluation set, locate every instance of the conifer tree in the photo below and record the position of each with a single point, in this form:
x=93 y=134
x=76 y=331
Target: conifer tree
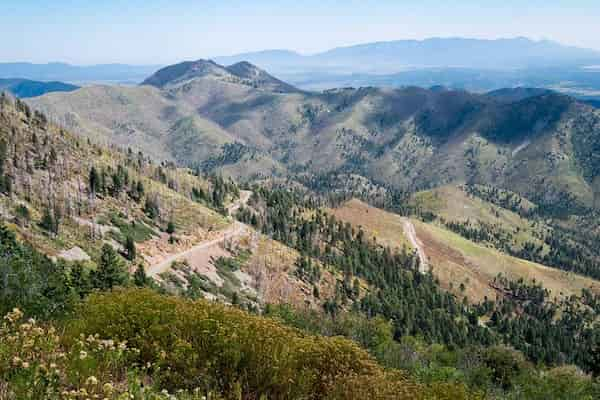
x=130 y=249
x=94 y=181
x=110 y=271
x=140 y=279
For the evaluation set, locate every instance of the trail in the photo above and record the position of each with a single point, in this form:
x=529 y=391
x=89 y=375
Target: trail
x=409 y=231
x=234 y=230
x=520 y=147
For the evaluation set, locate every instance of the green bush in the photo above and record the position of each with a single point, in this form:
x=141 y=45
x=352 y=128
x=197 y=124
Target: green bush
x=211 y=346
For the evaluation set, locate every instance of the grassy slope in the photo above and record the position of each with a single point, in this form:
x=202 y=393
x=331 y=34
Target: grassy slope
x=66 y=181
x=453 y=204
x=140 y=117
x=385 y=227
x=409 y=138
x=456 y=260
x=271 y=264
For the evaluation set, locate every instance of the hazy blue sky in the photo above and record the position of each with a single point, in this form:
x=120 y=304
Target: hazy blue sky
x=161 y=31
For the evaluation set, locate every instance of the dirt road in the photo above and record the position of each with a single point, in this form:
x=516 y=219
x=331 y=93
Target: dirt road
x=409 y=231
x=233 y=231
x=196 y=251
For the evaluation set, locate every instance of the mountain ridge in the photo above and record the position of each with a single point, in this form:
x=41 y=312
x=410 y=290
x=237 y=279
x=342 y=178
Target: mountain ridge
x=409 y=138
x=242 y=73
x=24 y=88
x=502 y=53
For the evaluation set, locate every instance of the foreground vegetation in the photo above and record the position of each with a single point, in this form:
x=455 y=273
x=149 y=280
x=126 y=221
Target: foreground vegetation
x=143 y=345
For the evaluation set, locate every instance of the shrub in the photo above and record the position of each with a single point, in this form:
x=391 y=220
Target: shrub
x=212 y=346
x=37 y=363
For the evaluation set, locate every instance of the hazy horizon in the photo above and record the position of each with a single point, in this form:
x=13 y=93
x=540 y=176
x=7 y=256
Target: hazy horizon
x=250 y=51
x=159 y=32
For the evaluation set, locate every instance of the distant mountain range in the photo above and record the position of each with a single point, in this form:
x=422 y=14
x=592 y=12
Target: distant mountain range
x=459 y=63
x=24 y=88
x=103 y=73
x=395 y=56
x=471 y=64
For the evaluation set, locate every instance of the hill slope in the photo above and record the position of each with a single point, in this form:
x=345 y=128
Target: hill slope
x=242 y=73
x=538 y=144
x=463 y=267
x=24 y=88
x=68 y=198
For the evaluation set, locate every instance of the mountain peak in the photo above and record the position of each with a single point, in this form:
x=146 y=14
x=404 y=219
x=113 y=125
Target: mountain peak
x=177 y=73
x=243 y=73
x=259 y=78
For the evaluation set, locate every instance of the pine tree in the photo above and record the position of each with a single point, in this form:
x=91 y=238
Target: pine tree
x=94 y=181
x=151 y=207
x=356 y=288
x=171 y=228
x=49 y=222
x=110 y=271
x=130 y=249
x=80 y=280
x=140 y=279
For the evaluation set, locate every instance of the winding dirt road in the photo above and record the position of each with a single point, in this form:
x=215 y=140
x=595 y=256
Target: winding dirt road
x=234 y=230
x=409 y=231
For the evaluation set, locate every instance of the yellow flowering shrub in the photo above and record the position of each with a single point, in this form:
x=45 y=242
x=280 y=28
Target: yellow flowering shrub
x=212 y=346
x=35 y=364
x=140 y=345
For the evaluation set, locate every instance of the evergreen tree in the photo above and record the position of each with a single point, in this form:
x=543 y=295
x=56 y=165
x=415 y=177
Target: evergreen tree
x=110 y=271
x=151 y=207
x=171 y=228
x=50 y=221
x=130 y=249
x=140 y=279
x=94 y=181
x=80 y=280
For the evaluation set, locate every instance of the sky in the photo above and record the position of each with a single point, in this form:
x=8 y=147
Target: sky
x=162 y=32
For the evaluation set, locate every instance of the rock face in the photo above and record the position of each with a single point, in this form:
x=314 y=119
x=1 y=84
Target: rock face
x=74 y=254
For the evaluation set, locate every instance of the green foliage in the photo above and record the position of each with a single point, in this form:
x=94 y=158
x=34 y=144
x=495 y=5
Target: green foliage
x=206 y=345
x=170 y=228
x=547 y=332
x=136 y=230
x=5 y=180
x=37 y=363
x=130 y=250
x=94 y=181
x=152 y=207
x=22 y=214
x=50 y=221
x=110 y=271
x=497 y=371
x=412 y=300
x=31 y=281
x=140 y=279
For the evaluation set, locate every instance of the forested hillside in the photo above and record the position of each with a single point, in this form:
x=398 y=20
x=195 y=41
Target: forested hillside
x=242 y=122
x=476 y=278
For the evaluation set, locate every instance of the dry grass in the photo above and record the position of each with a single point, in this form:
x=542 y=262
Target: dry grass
x=272 y=267
x=453 y=204
x=455 y=260
x=385 y=227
